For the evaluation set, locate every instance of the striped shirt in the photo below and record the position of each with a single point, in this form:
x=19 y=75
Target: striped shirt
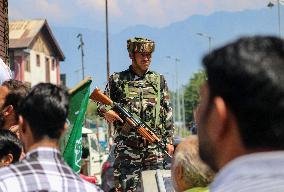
x=257 y=172
x=42 y=169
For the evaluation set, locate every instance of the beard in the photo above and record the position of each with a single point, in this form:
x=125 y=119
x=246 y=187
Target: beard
x=207 y=153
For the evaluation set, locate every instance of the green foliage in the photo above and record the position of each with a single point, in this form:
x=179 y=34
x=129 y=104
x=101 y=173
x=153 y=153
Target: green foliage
x=191 y=95
x=91 y=112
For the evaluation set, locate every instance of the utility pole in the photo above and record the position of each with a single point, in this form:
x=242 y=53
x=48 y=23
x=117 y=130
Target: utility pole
x=107 y=43
x=183 y=108
x=81 y=46
x=279 y=18
x=178 y=96
x=270 y=5
x=110 y=127
x=174 y=95
x=209 y=37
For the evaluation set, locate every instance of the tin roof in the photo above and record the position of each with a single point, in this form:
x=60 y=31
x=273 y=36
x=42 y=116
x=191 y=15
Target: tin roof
x=23 y=33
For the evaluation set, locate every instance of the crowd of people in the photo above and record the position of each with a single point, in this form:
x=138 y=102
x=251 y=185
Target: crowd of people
x=239 y=145
x=32 y=121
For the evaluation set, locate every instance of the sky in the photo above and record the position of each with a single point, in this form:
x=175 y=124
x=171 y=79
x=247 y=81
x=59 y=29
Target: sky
x=122 y=13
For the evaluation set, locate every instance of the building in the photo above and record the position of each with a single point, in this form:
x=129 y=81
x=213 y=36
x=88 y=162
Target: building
x=34 y=52
x=4 y=30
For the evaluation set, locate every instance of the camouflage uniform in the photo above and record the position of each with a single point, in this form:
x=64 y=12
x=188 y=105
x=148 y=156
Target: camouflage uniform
x=147 y=97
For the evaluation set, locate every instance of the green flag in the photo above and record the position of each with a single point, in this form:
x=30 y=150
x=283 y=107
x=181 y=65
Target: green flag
x=71 y=142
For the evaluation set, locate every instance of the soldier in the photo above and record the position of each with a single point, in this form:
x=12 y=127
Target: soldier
x=145 y=94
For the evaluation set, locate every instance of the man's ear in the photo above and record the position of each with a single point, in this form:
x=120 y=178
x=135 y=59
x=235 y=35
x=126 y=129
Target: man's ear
x=65 y=127
x=220 y=117
x=8 y=110
x=8 y=159
x=21 y=124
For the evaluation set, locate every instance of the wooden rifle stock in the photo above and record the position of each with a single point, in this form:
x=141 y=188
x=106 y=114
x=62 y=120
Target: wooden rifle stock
x=99 y=96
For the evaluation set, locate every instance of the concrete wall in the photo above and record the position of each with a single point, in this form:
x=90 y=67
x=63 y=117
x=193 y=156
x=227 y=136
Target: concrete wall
x=26 y=68
x=38 y=73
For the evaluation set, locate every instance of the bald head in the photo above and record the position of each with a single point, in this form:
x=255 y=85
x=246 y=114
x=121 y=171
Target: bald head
x=188 y=170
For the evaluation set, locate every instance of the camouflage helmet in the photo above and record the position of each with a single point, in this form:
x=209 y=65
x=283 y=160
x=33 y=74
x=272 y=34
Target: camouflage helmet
x=138 y=44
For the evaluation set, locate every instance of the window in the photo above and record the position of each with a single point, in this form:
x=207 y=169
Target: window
x=53 y=65
x=27 y=64
x=47 y=69
x=47 y=61
x=38 y=60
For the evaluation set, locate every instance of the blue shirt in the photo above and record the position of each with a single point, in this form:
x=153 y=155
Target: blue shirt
x=257 y=172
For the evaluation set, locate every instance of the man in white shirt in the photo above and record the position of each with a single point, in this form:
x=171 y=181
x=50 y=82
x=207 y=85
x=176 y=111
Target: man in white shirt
x=240 y=116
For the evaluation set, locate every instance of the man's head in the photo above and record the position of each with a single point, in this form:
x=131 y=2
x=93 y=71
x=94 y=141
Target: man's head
x=10 y=148
x=188 y=171
x=140 y=51
x=242 y=103
x=12 y=93
x=43 y=114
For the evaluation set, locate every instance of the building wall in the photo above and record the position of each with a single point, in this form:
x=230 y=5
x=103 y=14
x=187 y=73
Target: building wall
x=37 y=72
x=4 y=30
x=45 y=71
x=28 y=69
x=18 y=63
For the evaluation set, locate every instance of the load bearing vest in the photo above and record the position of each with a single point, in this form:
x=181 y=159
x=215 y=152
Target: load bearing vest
x=145 y=97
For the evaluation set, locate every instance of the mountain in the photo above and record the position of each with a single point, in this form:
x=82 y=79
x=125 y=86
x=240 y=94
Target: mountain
x=178 y=40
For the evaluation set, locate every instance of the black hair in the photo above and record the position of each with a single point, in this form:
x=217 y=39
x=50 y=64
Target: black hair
x=9 y=143
x=17 y=92
x=249 y=75
x=46 y=109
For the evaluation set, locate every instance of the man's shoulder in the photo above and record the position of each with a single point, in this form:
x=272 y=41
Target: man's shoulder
x=120 y=75
x=16 y=176
x=8 y=171
x=153 y=72
x=11 y=176
x=252 y=172
x=123 y=73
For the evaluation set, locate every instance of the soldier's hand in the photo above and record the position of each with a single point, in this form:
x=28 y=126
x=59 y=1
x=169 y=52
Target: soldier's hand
x=112 y=116
x=170 y=149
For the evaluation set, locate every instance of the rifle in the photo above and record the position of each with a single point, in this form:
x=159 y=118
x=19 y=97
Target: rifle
x=142 y=128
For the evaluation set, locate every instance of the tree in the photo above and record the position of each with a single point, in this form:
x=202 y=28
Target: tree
x=191 y=95
x=91 y=112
